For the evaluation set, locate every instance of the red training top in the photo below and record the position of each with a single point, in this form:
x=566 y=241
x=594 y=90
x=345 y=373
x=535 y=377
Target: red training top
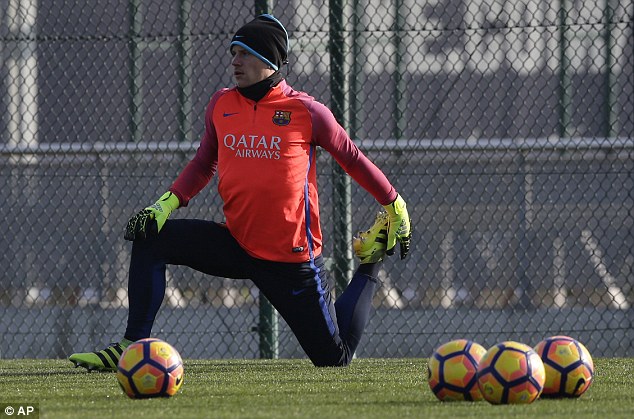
x=264 y=154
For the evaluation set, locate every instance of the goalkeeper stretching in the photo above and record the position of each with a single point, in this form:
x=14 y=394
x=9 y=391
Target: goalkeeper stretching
x=260 y=139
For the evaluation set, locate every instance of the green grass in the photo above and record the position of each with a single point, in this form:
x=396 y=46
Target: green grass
x=369 y=388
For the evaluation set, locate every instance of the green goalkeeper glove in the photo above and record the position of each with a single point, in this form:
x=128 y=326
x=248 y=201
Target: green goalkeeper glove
x=149 y=221
x=399 y=229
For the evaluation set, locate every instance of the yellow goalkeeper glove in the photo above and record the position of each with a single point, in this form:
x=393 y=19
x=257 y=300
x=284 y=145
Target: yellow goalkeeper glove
x=149 y=221
x=399 y=229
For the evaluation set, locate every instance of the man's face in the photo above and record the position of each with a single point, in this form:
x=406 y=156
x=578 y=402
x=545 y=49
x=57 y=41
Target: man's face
x=247 y=68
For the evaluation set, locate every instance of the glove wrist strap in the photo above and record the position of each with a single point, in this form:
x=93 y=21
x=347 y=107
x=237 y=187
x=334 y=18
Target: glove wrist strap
x=170 y=200
x=395 y=207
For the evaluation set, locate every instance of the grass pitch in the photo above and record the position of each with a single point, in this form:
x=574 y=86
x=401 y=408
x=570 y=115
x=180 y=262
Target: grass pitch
x=369 y=388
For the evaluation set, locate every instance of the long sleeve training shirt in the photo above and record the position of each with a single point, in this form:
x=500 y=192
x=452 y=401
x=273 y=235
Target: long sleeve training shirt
x=264 y=156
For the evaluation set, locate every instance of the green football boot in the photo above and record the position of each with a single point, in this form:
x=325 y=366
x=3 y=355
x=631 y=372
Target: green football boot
x=370 y=245
x=104 y=360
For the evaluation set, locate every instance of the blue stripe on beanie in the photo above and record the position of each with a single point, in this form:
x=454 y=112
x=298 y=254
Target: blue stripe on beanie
x=266 y=38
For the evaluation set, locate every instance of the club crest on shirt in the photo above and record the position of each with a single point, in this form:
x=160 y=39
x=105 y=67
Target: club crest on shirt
x=282 y=118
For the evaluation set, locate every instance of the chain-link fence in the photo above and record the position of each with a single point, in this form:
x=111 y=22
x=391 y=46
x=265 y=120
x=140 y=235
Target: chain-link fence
x=508 y=126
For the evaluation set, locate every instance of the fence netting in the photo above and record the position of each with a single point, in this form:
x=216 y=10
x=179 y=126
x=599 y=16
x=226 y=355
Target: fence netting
x=508 y=126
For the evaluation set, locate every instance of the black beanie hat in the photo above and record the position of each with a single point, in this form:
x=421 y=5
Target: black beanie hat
x=266 y=38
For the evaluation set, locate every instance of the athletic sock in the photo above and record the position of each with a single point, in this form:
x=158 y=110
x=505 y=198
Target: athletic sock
x=370 y=269
x=125 y=343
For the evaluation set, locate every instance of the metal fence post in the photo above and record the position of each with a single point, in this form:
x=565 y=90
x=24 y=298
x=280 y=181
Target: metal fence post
x=342 y=219
x=268 y=318
x=135 y=77
x=185 y=70
x=564 y=80
x=608 y=101
x=400 y=88
x=268 y=330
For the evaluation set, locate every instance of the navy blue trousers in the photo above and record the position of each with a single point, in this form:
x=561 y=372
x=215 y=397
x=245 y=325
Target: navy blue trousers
x=328 y=331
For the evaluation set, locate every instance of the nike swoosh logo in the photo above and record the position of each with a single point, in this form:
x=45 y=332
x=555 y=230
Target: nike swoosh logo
x=229 y=114
x=299 y=291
